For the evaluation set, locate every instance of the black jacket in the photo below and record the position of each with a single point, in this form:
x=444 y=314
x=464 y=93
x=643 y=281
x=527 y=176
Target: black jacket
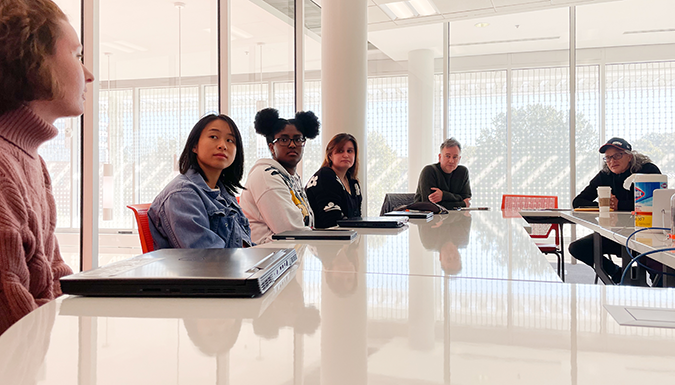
x=626 y=198
x=329 y=199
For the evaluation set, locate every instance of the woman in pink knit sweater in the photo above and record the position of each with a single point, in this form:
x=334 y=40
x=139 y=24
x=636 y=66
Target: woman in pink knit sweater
x=42 y=78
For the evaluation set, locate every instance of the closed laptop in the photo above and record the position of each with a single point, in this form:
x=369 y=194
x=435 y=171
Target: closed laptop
x=332 y=234
x=413 y=214
x=380 y=222
x=240 y=272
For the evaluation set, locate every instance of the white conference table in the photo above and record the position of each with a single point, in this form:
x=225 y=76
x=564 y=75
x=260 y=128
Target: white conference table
x=476 y=244
x=617 y=226
x=391 y=329
x=353 y=314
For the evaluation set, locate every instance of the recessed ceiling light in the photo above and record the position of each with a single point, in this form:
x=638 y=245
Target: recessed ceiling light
x=481 y=25
x=131 y=45
x=408 y=9
x=424 y=7
x=238 y=32
x=400 y=10
x=117 y=47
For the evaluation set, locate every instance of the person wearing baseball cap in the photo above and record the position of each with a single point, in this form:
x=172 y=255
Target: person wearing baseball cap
x=620 y=161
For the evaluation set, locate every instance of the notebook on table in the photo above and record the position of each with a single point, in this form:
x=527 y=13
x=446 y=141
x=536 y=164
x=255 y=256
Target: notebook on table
x=413 y=214
x=237 y=272
x=332 y=234
x=380 y=222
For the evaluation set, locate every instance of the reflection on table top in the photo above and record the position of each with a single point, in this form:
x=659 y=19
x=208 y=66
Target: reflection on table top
x=390 y=329
x=479 y=244
x=618 y=226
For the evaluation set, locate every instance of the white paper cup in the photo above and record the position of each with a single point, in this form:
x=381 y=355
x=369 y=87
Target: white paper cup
x=604 y=197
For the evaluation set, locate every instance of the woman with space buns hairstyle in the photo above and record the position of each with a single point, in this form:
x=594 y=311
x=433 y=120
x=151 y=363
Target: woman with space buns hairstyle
x=274 y=200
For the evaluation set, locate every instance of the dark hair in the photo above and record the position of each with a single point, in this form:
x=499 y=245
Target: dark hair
x=213 y=339
x=28 y=34
x=231 y=176
x=268 y=123
x=337 y=143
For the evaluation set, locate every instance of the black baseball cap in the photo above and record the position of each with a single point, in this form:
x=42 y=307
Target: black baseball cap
x=619 y=143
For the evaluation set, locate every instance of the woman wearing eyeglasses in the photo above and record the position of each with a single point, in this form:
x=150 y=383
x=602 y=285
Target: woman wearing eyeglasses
x=334 y=192
x=620 y=162
x=274 y=200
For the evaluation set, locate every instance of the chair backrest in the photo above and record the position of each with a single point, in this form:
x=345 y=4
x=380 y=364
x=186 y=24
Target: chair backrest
x=512 y=204
x=141 y=212
x=393 y=200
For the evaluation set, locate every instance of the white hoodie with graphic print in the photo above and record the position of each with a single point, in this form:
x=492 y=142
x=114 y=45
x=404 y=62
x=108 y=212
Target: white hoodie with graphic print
x=274 y=201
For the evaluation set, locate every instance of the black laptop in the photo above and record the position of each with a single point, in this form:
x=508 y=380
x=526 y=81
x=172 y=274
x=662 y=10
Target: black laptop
x=188 y=307
x=332 y=235
x=247 y=272
x=412 y=214
x=380 y=222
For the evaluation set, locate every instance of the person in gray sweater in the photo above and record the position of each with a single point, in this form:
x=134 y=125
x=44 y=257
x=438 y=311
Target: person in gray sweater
x=446 y=182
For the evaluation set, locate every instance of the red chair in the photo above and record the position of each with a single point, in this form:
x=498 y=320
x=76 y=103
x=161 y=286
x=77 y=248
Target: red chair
x=141 y=212
x=512 y=204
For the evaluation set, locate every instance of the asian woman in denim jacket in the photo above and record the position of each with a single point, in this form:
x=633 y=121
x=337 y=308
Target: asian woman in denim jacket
x=198 y=209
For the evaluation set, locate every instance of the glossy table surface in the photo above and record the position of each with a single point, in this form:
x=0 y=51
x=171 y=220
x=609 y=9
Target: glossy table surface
x=618 y=226
x=478 y=244
x=389 y=329
x=379 y=310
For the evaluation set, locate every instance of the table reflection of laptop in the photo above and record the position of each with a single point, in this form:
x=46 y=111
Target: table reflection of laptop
x=377 y=222
x=236 y=272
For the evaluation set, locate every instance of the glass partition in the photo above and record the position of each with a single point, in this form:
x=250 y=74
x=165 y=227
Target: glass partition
x=635 y=69
x=62 y=157
x=262 y=59
x=509 y=96
x=509 y=103
x=157 y=77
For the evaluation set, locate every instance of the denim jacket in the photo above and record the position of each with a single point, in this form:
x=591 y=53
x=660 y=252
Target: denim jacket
x=188 y=214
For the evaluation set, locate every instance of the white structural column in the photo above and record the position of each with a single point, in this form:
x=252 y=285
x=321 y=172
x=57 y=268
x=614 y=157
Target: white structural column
x=224 y=57
x=90 y=177
x=420 y=113
x=299 y=55
x=344 y=74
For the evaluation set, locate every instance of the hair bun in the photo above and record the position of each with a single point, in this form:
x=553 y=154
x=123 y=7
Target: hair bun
x=265 y=120
x=308 y=123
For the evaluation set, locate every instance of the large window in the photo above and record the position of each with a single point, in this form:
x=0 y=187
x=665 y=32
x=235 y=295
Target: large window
x=509 y=96
x=640 y=100
x=477 y=118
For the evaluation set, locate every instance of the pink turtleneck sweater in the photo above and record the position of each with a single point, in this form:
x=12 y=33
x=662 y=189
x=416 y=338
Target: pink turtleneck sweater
x=30 y=261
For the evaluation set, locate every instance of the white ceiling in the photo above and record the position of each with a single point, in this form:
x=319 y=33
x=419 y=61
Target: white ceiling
x=149 y=28
x=598 y=25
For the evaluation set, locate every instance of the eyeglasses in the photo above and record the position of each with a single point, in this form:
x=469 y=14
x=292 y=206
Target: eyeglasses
x=616 y=156
x=285 y=141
